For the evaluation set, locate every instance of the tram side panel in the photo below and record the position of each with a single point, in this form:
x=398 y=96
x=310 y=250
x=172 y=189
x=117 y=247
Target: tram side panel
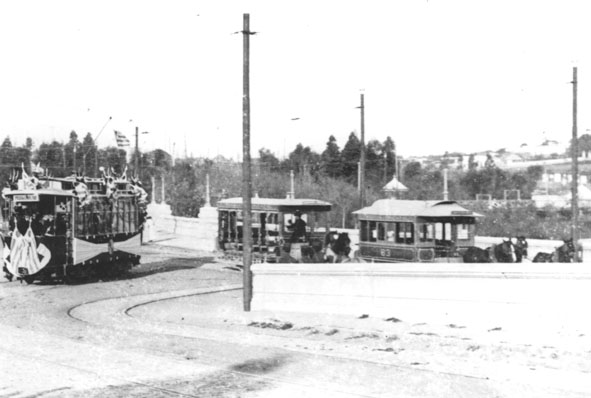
x=107 y=232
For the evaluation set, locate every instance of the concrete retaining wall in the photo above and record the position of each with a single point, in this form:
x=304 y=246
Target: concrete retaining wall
x=461 y=294
x=202 y=231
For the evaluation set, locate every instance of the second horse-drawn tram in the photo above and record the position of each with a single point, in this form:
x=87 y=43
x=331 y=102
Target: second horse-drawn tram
x=294 y=227
x=392 y=230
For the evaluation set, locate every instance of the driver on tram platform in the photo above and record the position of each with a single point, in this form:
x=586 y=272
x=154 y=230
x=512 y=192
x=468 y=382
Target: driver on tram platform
x=298 y=227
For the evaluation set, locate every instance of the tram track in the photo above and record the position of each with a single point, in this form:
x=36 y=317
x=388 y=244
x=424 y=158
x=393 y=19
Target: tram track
x=107 y=317
x=125 y=311
x=355 y=360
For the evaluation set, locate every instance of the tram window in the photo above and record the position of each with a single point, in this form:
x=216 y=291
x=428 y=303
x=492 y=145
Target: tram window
x=289 y=219
x=447 y=231
x=391 y=232
x=443 y=231
x=463 y=231
x=404 y=232
x=381 y=231
x=363 y=236
x=272 y=218
x=372 y=231
x=426 y=232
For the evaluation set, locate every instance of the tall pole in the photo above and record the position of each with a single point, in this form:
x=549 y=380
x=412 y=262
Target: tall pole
x=362 y=157
x=292 y=185
x=74 y=158
x=445 y=191
x=246 y=168
x=575 y=171
x=137 y=153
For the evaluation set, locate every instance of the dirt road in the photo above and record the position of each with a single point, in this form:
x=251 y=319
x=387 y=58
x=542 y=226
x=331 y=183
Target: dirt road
x=166 y=330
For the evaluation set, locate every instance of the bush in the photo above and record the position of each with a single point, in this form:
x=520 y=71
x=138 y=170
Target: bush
x=505 y=219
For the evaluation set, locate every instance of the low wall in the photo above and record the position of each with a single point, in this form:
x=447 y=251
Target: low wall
x=461 y=294
x=202 y=231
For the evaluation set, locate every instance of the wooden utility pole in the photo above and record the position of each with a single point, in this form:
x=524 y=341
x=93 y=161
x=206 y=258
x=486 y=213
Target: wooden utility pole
x=246 y=168
x=362 y=157
x=575 y=172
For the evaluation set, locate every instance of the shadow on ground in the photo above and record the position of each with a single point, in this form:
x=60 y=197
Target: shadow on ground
x=139 y=271
x=236 y=381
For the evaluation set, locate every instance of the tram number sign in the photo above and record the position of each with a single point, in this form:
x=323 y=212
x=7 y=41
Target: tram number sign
x=385 y=252
x=26 y=197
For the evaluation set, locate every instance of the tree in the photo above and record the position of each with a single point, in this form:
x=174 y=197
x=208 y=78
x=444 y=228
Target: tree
x=411 y=171
x=89 y=155
x=302 y=158
x=7 y=159
x=330 y=159
x=51 y=157
x=113 y=157
x=584 y=145
x=374 y=163
x=268 y=160
x=350 y=156
x=390 y=152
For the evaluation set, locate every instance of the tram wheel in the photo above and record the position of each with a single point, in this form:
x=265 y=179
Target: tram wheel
x=9 y=277
x=29 y=279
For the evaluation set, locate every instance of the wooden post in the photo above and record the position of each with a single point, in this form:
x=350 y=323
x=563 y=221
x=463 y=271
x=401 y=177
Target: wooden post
x=246 y=168
x=575 y=172
x=362 y=157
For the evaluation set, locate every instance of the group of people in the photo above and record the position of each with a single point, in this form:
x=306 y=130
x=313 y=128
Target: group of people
x=335 y=247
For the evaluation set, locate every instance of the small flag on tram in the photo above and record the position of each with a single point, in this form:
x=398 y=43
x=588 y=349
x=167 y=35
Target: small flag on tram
x=121 y=139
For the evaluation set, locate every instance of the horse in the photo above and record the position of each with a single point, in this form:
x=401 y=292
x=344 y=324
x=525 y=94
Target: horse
x=338 y=247
x=562 y=254
x=520 y=247
x=503 y=252
x=476 y=255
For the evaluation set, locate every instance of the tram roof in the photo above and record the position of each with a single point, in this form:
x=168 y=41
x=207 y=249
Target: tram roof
x=415 y=208
x=285 y=204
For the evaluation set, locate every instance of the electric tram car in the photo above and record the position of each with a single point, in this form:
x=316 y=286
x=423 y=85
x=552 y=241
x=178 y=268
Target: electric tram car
x=273 y=228
x=68 y=228
x=392 y=230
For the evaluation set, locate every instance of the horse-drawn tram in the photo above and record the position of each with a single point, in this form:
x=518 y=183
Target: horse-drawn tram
x=281 y=228
x=393 y=230
x=67 y=228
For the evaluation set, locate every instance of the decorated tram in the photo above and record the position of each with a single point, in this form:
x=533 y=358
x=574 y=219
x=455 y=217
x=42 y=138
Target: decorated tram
x=68 y=228
x=283 y=230
x=392 y=230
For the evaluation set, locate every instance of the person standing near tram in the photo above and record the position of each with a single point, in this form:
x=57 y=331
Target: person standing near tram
x=298 y=227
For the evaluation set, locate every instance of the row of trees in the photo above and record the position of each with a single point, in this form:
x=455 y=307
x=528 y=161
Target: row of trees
x=61 y=159
x=337 y=163
x=330 y=175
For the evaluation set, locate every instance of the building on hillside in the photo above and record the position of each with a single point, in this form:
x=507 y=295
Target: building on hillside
x=547 y=148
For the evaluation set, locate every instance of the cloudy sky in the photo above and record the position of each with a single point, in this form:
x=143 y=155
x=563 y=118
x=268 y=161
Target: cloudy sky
x=437 y=75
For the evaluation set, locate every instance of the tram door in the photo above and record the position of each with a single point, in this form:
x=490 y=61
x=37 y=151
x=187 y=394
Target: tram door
x=443 y=237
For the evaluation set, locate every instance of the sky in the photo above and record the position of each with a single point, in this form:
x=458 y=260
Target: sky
x=436 y=75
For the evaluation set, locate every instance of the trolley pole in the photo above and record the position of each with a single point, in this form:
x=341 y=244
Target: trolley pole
x=137 y=153
x=246 y=168
x=362 y=156
x=575 y=172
